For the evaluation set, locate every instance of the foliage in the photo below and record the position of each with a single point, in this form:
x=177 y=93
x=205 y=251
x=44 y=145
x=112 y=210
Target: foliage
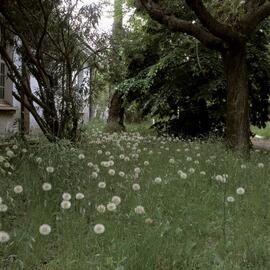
x=181 y=84
x=56 y=43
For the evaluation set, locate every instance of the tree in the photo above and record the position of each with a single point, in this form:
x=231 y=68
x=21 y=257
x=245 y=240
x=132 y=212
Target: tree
x=229 y=37
x=115 y=120
x=49 y=37
x=181 y=84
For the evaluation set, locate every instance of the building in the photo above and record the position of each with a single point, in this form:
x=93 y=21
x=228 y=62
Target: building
x=12 y=112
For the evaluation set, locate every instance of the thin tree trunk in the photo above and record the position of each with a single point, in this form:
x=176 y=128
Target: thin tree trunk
x=116 y=113
x=237 y=119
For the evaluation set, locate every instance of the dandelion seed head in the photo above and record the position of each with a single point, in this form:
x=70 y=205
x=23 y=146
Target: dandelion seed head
x=65 y=204
x=45 y=229
x=99 y=228
x=4 y=237
x=66 y=196
x=139 y=210
x=46 y=186
x=18 y=189
x=50 y=169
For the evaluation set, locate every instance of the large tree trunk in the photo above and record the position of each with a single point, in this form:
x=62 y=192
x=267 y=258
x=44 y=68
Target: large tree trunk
x=115 y=120
x=237 y=118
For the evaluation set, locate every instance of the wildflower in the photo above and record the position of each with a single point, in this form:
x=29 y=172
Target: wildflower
x=18 y=189
x=81 y=156
x=221 y=178
x=24 y=150
x=4 y=237
x=66 y=196
x=243 y=166
x=196 y=162
x=65 y=204
x=202 y=173
x=101 y=184
x=94 y=174
x=111 y=172
x=189 y=158
x=158 y=180
x=240 y=191
x=10 y=153
x=79 y=196
x=45 y=229
x=15 y=147
x=230 y=199
x=136 y=187
x=111 y=163
x=107 y=153
x=182 y=174
x=99 y=152
x=149 y=221
x=38 y=160
x=101 y=208
x=46 y=186
x=260 y=165
x=3 y=208
x=121 y=156
x=137 y=170
x=116 y=200
x=139 y=210
x=121 y=174
x=111 y=206
x=146 y=163
x=191 y=170
x=50 y=169
x=171 y=161
x=90 y=164
x=7 y=165
x=99 y=229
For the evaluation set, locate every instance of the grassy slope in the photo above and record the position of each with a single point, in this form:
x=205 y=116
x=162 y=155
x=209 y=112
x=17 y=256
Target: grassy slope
x=188 y=214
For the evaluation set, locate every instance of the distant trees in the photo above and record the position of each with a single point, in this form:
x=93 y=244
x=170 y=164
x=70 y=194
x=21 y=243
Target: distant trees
x=55 y=42
x=227 y=28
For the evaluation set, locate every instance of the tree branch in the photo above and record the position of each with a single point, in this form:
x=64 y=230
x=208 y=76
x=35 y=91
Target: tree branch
x=177 y=25
x=252 y=19
x=220 y=30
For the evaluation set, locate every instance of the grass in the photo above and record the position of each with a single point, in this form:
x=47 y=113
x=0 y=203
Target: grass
x=193 y=226
x=263 y=131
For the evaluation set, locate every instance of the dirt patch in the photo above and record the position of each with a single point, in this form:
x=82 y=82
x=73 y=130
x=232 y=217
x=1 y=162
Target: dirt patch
x=261 y=143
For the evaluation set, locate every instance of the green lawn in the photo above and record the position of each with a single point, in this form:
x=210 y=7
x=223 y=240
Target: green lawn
x=188 y=222
x=262 y=132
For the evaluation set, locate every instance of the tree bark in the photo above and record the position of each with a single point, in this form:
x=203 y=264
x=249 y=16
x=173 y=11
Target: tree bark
x=116 y=113
x=115 y=120
x=237 y=119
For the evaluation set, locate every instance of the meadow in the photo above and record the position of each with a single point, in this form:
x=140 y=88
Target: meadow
x=133 y=201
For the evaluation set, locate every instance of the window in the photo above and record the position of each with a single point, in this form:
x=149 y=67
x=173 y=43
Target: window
x=2 y=80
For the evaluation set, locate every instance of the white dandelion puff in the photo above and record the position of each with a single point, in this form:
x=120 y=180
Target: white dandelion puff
x=18 y=189
x=4 y=237
x=45 y=229
x=99 y=228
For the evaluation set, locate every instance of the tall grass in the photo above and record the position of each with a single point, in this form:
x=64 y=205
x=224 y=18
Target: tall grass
x=188 y=222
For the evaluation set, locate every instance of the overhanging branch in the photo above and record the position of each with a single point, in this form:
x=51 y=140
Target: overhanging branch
x=251 y=20
x=177 y=25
